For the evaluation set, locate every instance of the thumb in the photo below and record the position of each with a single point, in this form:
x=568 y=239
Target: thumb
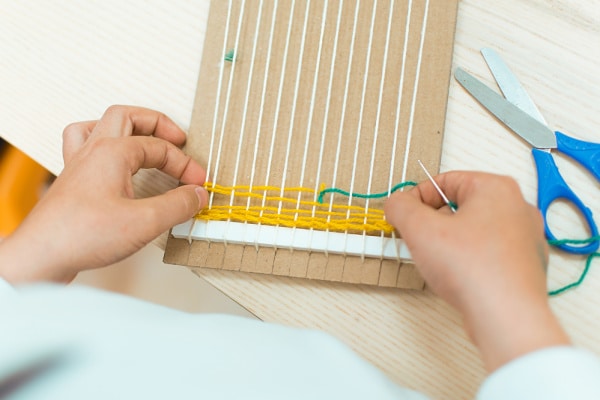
x=413 y=219
x=174 y=207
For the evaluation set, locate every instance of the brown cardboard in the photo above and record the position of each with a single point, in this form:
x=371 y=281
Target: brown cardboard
x=296 y=112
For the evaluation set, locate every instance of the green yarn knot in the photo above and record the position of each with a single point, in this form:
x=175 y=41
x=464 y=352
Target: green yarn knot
x=230 y=56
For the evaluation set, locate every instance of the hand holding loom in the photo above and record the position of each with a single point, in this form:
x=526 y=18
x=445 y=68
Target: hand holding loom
x=89 y=217
x=488 y=260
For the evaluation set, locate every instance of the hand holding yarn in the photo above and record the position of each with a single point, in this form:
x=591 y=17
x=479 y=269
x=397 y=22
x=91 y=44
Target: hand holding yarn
x=487 y=260
x=89 y=217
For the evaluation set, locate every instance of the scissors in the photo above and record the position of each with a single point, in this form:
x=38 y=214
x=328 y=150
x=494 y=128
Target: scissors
x=518 y=112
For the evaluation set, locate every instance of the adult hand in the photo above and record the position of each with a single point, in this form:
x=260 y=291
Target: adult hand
x=89 y=217
x=488 y=260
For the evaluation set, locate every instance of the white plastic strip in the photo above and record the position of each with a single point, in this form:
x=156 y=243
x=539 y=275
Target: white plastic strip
x=301 y=239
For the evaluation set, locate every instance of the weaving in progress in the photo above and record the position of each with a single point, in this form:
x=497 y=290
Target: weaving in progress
x=308 y=114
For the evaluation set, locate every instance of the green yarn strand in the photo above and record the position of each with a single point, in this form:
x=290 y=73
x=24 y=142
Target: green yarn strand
x=560 y=242
x=399 y=186
x=579 y=281
x=588 y=262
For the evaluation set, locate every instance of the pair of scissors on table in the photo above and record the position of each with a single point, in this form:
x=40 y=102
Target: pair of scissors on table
x=518 y=112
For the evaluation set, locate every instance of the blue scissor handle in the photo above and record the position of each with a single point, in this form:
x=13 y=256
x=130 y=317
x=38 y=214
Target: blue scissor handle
x=552 y=186
x=585 y=153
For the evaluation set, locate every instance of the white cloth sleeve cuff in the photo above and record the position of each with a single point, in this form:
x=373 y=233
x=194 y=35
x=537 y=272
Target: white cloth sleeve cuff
x=552 y=373
x=6 y=288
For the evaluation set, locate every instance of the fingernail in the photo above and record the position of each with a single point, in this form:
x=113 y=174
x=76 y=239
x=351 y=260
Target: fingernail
x=202 y=197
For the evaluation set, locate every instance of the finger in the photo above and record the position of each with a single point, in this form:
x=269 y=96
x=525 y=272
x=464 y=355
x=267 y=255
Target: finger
x=74 y=137
x=120 y=121
x=171 y=208
x=426 y=193
x=411 y=216
x=149 y=152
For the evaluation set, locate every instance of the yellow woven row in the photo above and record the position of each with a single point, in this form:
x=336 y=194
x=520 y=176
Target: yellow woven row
x=335 y=217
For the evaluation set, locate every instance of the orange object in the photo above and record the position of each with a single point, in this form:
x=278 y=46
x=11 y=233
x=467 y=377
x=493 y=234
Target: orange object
x=21 y=184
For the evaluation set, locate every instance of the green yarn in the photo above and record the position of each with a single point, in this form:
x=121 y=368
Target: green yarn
x=588 y=262
x=323 y=192
x=560 y=242
x=452 y=205
x=401 y=185
x=578 y=282
x=230 y=56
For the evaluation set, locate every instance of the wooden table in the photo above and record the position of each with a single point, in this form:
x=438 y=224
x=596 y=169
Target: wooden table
x=62 y=62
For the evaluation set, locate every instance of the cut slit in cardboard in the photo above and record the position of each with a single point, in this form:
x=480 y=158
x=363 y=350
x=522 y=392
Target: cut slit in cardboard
x=299 y=94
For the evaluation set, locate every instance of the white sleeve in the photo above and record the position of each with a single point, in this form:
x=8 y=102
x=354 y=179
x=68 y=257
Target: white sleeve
x=5 y=288
x=552 y=373
x=74 y=335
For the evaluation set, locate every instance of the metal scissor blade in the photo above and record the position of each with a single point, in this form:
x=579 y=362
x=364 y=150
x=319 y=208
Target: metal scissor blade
x=530 y=129
x=510 y=85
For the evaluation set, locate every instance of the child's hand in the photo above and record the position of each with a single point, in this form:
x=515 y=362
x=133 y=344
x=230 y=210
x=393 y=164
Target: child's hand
x=89 y=217
x=488 y=260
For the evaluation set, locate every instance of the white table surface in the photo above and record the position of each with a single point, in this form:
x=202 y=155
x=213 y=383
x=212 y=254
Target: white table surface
x=65 y=61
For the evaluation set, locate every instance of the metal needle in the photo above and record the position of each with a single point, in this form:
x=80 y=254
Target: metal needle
x=439 y=190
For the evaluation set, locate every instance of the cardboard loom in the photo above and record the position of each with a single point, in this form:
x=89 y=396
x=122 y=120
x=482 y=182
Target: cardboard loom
x=348 y=94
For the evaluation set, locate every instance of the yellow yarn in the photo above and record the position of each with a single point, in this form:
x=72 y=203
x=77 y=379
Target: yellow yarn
x=335 y=218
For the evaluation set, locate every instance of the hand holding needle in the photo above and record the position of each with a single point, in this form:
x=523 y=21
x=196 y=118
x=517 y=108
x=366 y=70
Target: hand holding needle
x=439 y=190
